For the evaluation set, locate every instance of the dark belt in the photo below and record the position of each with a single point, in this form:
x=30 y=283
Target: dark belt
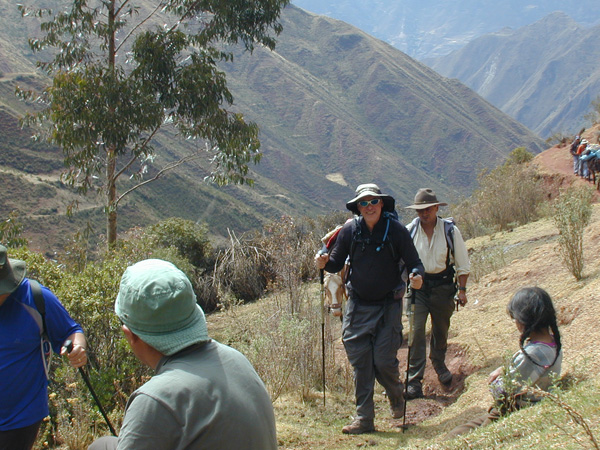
x=437 y=279
x=388 y=298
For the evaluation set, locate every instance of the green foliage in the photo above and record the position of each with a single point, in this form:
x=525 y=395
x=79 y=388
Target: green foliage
x=11 y=231
x=572 y=212
x=111 y=95
x=519 y=155
x=189 y=238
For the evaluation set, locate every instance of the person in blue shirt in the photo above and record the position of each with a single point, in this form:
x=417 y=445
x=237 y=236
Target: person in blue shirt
x=23 y=365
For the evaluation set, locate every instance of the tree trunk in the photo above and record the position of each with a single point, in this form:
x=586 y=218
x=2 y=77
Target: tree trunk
x=111 y=200
x=111 y=163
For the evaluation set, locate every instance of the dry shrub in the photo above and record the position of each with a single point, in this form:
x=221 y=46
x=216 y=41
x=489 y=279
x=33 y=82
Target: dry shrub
x=507 y=196
x=572 y=212
x=241 y=269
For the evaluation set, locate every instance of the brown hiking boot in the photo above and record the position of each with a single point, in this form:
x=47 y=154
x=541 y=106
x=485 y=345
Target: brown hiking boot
x=359 y=426
x=444 y=375
x=397 y=408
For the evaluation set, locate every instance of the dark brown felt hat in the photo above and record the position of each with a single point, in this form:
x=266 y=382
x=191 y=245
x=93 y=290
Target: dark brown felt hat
x=425 y=198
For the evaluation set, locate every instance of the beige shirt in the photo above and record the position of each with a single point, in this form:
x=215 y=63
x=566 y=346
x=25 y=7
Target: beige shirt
x=433 y=253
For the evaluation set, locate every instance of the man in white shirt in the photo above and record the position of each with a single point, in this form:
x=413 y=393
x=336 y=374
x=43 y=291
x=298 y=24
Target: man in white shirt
x=443 y=252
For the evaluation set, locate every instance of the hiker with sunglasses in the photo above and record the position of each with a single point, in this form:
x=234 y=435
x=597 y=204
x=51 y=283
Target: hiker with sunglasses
x=537 y=363
x=28 y=335
x=375 y=243
x=444 y=255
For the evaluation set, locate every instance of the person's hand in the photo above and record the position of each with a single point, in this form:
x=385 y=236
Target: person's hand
x=462 y=298
x=77 y=356
x=495 y=374
x=321 y=260
x=416 y=281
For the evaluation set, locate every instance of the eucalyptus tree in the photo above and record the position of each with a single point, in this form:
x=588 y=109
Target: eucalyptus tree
x=121 y=70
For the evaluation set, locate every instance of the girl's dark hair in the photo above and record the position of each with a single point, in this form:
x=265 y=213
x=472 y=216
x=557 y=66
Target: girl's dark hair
x=532 y=307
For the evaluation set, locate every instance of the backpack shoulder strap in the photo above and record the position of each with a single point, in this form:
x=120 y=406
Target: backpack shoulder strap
x=40 y=304
x=449 y=232
x=414 y=227
x=39 y=315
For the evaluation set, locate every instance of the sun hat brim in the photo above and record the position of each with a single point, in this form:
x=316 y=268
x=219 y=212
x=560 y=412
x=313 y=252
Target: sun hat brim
x=426 y=205
x=174 y=341
x=156 y=301
x=389 y=203
x=12 y=275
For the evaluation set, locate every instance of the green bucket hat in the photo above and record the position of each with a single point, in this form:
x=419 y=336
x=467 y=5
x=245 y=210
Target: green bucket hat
x=156 y=302
x=12 y=272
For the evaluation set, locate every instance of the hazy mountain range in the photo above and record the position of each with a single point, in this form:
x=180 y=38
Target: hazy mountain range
x=336 y=108
x=545 y=74
x=432 y=28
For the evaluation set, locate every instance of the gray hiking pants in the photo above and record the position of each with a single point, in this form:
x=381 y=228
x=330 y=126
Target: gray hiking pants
x=372 y=335
x=437 y=302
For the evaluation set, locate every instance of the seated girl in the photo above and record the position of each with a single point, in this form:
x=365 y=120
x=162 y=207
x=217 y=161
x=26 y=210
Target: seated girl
x=537 y=363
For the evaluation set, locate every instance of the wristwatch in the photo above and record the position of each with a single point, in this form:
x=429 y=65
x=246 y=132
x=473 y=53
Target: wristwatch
x=462 y=288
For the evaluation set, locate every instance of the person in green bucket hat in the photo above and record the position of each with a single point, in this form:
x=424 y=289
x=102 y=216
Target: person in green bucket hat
x=204 y=394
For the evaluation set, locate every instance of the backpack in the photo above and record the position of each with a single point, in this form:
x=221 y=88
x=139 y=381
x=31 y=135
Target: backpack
x=39 y=315
x=448 y=232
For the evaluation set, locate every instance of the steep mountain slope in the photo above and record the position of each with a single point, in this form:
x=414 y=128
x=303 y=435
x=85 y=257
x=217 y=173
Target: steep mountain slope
x=433 y=28
x=545 y=75
x=359 y=108
x=336 y=107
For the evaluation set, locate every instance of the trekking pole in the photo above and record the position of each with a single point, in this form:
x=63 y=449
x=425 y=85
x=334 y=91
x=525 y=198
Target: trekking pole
x=322 y=279
x=69 y=346
x=410 y=312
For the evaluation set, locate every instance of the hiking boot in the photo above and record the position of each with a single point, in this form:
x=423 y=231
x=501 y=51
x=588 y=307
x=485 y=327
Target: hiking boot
x=444 y=375
x=359 y=426
x=414 y=391
x=397 y=408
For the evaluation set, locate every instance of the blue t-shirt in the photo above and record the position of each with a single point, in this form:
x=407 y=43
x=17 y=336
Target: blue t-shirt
x=23 y=383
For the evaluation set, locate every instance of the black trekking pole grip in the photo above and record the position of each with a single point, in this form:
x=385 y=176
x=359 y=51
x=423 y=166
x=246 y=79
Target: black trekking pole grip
x=69 y=346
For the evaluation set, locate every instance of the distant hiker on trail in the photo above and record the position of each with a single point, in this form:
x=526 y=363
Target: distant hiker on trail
x=537 y=363
x=444 y=255
x=375 y=243
x=582 y=164
x=573 y=150
x=204 y=395
x=33 y=323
